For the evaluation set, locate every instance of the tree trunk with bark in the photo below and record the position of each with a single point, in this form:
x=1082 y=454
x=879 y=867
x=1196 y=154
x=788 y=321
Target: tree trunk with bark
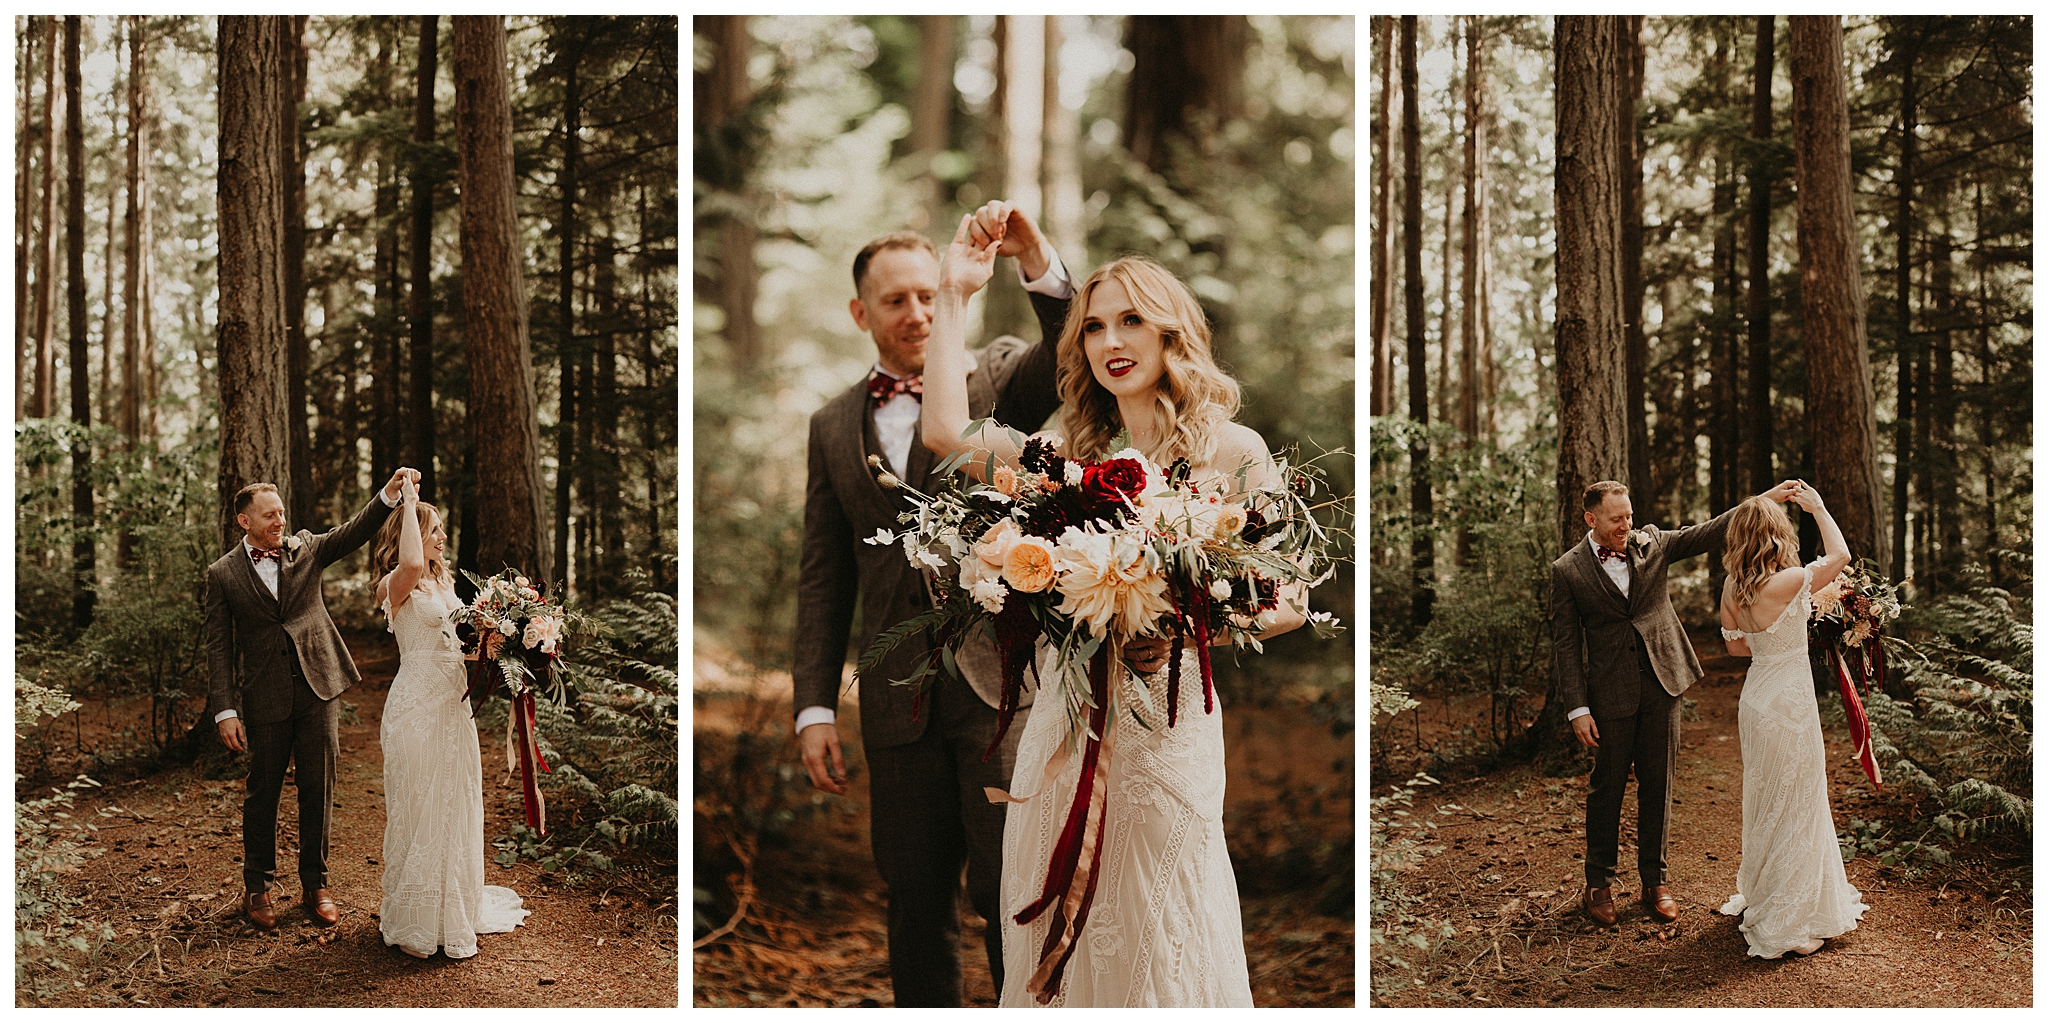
x=254 y=446
x=84 y=574
x=1380 y=396
x=25 y=53
x=511 y=512
x=567 y=458
x=1065 y=217
x=931 y=113
x=723 y=94
x=1840 y=406
x=1763 y=436
x=1902 y=284
x=1470 y=387
x=1184 y=87
x=1422 y=549
x=1629 y=125
x=609 y=501
x=1591 y=343
x=1943 y=464
x=384 y=378
x=292 y=65
x=1726 y=440
x=420 y=439
x=45 y=398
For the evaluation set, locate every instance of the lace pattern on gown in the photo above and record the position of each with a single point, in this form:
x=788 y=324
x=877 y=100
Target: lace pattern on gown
x=1791 y=887
x=434 y=891
x=1165 y=928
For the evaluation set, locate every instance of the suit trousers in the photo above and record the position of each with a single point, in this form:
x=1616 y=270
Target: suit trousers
x=309 y=737
x=929 y=817
x=1647 y=741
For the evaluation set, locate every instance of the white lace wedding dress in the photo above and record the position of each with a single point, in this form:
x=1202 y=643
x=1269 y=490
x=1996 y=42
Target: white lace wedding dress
x=434 y=890
x=1165 y=929
x=1791 y=887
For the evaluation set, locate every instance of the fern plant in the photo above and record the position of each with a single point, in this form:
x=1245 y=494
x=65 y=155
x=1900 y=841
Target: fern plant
x=1965 y=741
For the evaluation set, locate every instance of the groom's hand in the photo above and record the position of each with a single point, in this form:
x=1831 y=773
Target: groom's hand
x=232 y=736
x=1587 y=731
x=1017 y=233
x=395 y=489
x=818 y=742
x=1783 y=492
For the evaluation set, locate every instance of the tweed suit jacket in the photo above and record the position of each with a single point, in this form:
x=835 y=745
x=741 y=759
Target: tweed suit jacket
x=843 y=505
x=251 y=635
x=1596 y=634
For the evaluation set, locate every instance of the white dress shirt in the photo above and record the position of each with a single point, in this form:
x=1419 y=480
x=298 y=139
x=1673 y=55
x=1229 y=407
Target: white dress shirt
x=1617 y=570
x=896 y=421
x=266 y=570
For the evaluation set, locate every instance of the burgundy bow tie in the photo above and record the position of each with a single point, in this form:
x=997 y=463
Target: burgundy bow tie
x=882 y=387
x=259 y=555
x=1607 y=554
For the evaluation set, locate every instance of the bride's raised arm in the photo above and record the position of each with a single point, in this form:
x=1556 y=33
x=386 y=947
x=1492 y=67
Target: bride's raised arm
x=966 y=270
x=412 y=555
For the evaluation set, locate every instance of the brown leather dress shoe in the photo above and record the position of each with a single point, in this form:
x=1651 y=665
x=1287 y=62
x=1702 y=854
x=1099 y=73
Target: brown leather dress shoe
x=1599 y=903
x=320 y=907
x=1661 y=905
x=260 y=909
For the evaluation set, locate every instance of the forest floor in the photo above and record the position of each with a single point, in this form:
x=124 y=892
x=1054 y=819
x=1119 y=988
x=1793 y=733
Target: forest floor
x=815 y=935
x=169 y=880
x=1506 y=874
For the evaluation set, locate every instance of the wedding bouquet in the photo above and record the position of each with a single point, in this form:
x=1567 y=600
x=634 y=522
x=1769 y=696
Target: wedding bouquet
x=1090 y=555
x=1848 y=620
x=526 y=656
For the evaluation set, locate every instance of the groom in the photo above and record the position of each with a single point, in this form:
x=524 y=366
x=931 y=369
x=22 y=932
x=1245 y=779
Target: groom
x=926 y=774
x=1622 y=661
x=276 y=667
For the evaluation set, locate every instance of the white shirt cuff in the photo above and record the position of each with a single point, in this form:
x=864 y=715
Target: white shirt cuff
x=1054 y=282
x=1578 y=713
x=224 y=715
x=809 y=716
x=389 y=502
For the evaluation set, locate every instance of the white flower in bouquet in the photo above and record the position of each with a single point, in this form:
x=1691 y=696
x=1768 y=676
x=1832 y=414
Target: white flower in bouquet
x=1230 y=520
x=1074 y=474
x=988 y=591
x=509 y=627
x=544 y=632
x=1220 y=589
x=529 y=593
x=1106 y=579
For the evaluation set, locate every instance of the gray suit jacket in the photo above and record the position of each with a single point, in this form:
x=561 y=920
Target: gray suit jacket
x=251 y=635
x=1596 y=634
x=844 y=505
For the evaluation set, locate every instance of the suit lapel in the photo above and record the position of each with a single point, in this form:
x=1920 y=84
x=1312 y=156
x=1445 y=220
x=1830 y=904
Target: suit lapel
x=1600 y=576
x=255 y=582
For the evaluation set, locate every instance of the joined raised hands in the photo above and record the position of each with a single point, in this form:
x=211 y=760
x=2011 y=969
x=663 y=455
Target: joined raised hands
x=969 y=264
x=1808 y=499
x=395 y=489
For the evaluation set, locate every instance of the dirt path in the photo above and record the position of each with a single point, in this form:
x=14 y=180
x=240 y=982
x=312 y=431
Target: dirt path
x=1507 y=874
x=815 y=935
x=170 y=882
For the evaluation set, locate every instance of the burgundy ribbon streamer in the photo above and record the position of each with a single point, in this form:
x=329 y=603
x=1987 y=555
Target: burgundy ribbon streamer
x=1016 y=634
x=1080 y=836
x=1859 y=722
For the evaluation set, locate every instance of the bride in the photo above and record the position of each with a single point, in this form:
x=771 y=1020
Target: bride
x=1165 y=928
x=434 y=891
x=1791 y=891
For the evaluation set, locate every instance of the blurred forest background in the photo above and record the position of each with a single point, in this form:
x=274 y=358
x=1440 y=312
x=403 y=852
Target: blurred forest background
x=1224 y=148
x=1895 y=373
x=158 y=367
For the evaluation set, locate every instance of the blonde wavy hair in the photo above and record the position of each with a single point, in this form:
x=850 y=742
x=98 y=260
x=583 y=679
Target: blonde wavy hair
x=1760 y=543
x=1195 y=398
x=384 y=553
